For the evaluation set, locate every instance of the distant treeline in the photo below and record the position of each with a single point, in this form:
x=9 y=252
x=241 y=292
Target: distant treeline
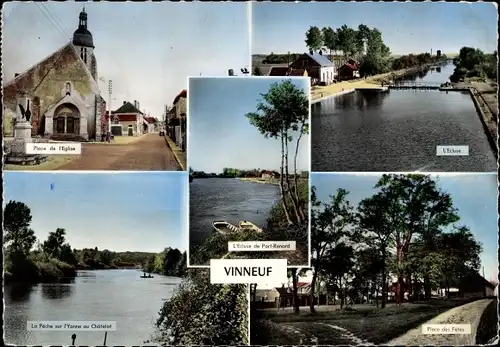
x=30 y=260
x=236 y=173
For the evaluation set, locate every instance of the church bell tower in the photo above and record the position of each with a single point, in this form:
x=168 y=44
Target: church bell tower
x=84 y=43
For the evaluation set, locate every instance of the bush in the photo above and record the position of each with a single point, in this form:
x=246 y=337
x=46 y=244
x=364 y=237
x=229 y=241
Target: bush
x=201 y=313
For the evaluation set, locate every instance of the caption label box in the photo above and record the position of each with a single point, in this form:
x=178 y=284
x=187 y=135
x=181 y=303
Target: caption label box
x=269 y=272
x=261 y=246
x=54 y=148
x=446 y=329
x=452 y=150
x=72 y=325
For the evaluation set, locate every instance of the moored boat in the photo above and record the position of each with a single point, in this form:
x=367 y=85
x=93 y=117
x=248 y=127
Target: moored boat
x=246 y=225
x=224 y=227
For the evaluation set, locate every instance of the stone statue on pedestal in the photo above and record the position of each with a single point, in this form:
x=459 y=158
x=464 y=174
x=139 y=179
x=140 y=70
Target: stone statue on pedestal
x=25 y=112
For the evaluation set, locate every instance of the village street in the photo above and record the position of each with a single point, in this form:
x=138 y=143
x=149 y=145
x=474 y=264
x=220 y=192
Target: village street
x=148 y=153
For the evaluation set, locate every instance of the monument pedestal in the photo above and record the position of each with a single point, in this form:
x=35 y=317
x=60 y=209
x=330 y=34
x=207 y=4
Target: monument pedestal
x=17 y=154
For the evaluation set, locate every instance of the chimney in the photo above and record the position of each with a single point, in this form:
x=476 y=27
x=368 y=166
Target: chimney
x=230 y=72
x=135 y=103
x=16 y=74
x=138 y=105
x=124 y=102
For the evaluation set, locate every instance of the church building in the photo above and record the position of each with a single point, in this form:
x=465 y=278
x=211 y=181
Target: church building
x=65 y=97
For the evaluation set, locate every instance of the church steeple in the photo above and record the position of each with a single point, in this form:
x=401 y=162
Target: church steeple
x=82 y=36
x=83 y=19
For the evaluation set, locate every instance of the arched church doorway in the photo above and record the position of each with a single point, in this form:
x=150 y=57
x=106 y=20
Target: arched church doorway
x=66 y=120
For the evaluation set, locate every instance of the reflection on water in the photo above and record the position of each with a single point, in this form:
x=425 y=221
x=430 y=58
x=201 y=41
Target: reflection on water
x=56 y=291
x=399 y=130
x=212 y=199
x=104 y=295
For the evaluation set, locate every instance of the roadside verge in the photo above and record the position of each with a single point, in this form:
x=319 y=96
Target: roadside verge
x=179 y=155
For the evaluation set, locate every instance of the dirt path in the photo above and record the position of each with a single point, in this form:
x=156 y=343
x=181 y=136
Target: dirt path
x=150 y=153
x=466 y=314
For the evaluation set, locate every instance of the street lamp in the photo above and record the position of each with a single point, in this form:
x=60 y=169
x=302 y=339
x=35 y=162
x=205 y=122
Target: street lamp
x=110 y=91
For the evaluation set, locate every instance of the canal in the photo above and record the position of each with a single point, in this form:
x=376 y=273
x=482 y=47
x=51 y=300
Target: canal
x=228 y=199
x=101 y=295
x=399 y=130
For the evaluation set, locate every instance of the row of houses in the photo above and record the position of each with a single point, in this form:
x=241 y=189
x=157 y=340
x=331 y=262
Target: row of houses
x=175 y=120
x=319 y=68
x=129 y=120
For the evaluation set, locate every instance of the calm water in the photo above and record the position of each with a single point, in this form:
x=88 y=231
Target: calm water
x=399 y=130
x=105 y=295
x=227 y=199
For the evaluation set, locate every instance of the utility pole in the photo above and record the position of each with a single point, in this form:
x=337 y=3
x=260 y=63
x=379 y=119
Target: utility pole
x=110 y=91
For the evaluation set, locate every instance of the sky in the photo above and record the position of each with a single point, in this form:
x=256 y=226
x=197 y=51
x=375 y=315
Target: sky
x=474 y=195
x=147 y=49
x=406 y=27
x=143 y=212
x=221 y=136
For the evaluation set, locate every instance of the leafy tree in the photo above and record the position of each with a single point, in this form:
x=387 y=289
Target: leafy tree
x=201 y=313
x=362 y=35
x=18 y=237
x=330 y=223
x=339 y=261
x=314 y=39
x=53 y=245
x=347 y=40
x=257 y=72
x=417 y=206
x=285 y=108
x=330 y=40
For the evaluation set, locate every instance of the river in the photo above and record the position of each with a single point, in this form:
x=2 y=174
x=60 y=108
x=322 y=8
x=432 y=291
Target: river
x=226 y=199
x=101 y=295
x=399 y=130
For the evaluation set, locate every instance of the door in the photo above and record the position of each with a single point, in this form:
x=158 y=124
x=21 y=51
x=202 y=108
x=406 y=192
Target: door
x=130 y=131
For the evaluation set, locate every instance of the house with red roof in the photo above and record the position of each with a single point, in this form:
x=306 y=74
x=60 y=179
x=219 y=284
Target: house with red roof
x=128 y=120
x=348 y=71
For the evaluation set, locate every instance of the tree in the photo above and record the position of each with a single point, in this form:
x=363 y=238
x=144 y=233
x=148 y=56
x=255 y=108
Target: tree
x=201 y=313
x=347 y=40
x=314 y=39
x=330 y=40
x=329 y=225
x=416 y=206
x=377 y=226
x=339 y=261
x=285 y=108
x=361 y=37
x=18 y=237
x=257 y=72
x=53 y=245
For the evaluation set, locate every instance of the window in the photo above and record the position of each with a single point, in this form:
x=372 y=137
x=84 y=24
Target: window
x=304 y=63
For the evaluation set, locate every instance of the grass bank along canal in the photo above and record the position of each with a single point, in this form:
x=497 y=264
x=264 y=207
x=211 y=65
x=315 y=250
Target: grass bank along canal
x=399 y=130
x=227 y=199
x=99 y=295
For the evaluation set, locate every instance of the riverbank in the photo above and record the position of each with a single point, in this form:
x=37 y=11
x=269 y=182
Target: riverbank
x=372 y=82
x=259 y=180
x=485 y=97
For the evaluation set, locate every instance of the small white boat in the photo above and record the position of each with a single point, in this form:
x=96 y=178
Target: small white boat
x=246 y=225
x=224 y=227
